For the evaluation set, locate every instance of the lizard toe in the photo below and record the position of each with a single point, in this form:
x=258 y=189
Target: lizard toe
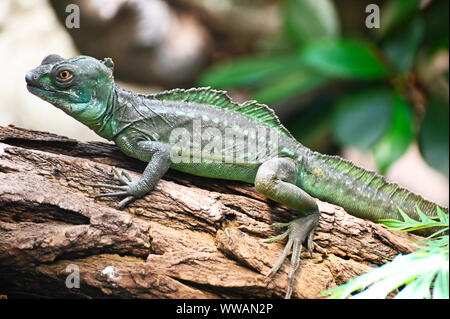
x=300 y=230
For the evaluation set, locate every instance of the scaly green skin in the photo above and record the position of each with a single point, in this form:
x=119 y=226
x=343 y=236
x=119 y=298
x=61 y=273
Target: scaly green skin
x=143 y=125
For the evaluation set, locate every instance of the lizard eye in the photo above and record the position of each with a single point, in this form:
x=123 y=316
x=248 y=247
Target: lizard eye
x=64 y=74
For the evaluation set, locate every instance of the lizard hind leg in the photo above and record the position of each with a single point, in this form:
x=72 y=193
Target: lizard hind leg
x=276 y=179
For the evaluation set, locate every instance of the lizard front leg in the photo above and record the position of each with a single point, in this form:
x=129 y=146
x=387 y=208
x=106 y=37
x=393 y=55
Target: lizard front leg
x=158 y=157
x=276 y=179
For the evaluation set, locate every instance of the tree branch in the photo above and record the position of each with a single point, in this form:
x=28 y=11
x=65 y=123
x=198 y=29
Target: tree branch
x=191 y=237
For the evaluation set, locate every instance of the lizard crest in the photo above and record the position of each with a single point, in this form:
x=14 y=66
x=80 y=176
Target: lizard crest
x=220 y=99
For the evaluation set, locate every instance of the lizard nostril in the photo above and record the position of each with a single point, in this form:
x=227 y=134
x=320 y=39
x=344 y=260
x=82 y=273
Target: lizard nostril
x=31 y=77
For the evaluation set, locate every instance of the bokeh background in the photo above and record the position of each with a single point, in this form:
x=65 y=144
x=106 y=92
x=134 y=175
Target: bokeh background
x=377 y=96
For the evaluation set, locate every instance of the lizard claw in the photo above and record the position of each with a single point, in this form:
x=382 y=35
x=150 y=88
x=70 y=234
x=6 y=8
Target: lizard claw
x=127 y=188
x=299 y=230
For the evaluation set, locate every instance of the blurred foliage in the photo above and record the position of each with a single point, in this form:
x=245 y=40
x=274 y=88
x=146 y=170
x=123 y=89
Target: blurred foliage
x=423 y=273
x=375 y=89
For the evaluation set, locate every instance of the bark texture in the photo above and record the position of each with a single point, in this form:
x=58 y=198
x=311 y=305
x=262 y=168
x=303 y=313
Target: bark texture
x=191 y=237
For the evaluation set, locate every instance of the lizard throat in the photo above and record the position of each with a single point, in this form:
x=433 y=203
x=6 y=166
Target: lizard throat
x=102 y=123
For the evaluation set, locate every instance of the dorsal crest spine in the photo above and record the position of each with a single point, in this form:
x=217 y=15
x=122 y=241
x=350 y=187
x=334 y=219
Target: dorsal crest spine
x=220 y=99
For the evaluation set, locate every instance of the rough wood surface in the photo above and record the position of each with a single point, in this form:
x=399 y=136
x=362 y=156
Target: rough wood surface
x=191 y=237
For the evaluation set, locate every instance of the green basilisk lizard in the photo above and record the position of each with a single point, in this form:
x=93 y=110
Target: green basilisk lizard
x=202 y=132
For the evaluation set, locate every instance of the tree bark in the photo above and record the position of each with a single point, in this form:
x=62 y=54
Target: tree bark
x=191 y=237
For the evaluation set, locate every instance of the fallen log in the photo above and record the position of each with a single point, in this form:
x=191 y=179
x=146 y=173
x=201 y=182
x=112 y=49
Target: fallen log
x=192 y=237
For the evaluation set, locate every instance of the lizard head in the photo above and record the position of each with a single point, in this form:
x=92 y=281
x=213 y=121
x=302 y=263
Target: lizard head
x=80 y=86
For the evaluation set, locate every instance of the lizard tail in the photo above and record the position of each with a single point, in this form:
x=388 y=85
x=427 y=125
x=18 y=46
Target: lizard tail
x=361 y=192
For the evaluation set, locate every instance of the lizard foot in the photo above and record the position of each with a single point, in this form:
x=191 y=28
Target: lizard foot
x=127 y=188
x=299 y=230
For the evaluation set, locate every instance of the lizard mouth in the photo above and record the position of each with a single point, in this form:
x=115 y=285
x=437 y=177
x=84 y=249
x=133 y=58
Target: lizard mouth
x=35 y=89
x=47 y=94
x=38 y=90
x=32 y=88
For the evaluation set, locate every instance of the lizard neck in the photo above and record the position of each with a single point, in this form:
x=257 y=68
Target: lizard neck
x=103 y=124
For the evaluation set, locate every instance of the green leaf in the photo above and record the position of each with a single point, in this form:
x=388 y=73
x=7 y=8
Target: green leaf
x=409 y=224
x=442 y=216
x=433 y=136
x=344 y=59
x=307 y=20
x=437 y=25
x=395 y=13
x=398 y=137
x=417 y=272
x=248 y=71
x=419 y=288
x=292 y=84
x=362 y=118
x=401 y=48
x=441 y=286
x=312 y=125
